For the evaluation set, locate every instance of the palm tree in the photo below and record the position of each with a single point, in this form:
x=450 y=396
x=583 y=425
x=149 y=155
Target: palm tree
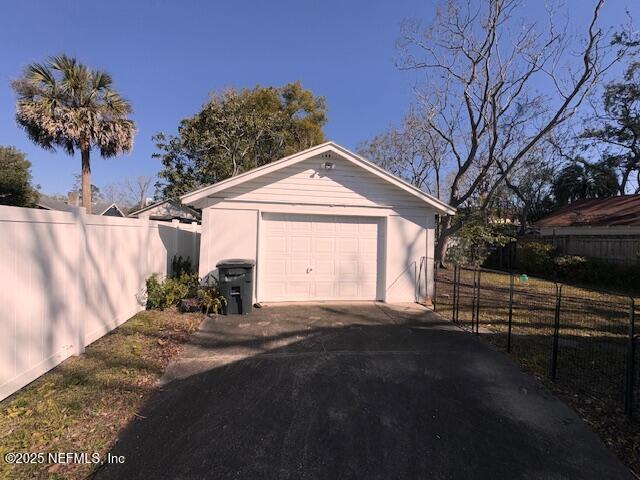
x=63 y=103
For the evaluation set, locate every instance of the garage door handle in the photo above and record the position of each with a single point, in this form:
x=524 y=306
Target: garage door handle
x=309 y=270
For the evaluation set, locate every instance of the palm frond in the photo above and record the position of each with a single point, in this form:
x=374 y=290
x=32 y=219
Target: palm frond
x=63 y=64
x=39 y=73
x=115 y=105
x=101 y=80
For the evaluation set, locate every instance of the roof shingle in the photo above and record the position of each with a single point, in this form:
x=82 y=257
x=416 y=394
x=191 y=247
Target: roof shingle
x=602 y=212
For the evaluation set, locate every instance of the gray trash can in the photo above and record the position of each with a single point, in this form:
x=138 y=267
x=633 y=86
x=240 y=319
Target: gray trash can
x=236 y=285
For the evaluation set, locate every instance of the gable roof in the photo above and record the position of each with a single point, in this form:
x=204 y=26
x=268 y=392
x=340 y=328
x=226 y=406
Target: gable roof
x=48 y=203
x=623 y=210
x=172 y=201
x=204 y=192
x=105 y=207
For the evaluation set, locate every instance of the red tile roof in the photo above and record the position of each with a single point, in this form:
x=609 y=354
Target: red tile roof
x=612 y=211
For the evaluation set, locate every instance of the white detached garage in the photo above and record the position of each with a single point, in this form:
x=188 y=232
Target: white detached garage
x=323 y=224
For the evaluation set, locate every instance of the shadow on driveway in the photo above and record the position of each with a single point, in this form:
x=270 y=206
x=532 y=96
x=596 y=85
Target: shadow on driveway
x=353 y=391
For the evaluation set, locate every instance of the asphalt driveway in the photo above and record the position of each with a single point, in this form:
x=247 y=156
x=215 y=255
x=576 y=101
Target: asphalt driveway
x=353 y=391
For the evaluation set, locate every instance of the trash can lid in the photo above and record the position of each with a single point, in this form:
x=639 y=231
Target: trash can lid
x=236 y=262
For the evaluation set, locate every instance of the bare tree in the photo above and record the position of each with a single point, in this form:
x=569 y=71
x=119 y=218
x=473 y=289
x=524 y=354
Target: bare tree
x=115 y=193
x=139 y=189
x=132 y=192
x=482 y=64
x=531 y=183
x=413 y=152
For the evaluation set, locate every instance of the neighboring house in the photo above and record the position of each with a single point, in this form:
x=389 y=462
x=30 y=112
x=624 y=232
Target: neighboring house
x=323 y=224
x=603 y=228
x=99 y=208
x=167 y=210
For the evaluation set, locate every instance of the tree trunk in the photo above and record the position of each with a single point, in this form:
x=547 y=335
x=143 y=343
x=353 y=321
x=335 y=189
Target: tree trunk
x=443 y=240
x=86 y=178
x=524 y=214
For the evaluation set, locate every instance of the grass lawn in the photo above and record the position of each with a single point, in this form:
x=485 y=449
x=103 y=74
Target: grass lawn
x=82 y=404
x=592 y=346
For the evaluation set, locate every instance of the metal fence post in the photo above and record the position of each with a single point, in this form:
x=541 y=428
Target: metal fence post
x=453 y=301
x=473 y=300
x=511 y=285
x=456 y=292
x=556 y=334
x=631 y=359
x=478 y=302
x=435 y=285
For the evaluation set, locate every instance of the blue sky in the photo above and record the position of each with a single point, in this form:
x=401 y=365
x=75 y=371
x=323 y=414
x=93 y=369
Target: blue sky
x=167 y=56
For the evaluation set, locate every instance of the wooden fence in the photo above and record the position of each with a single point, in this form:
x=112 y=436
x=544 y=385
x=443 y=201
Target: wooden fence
x=619 y=249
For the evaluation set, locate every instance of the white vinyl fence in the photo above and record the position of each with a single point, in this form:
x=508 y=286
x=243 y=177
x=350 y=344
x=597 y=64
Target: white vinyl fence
x=66 y=279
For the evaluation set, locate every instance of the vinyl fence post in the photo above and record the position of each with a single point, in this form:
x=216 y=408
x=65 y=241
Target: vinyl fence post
x=195 y=251
x=80 y=219
x=631 y=358
x=510 y=321
x=556 y=333
x=175 y=224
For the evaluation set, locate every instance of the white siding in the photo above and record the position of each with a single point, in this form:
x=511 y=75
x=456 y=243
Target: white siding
x=307 y=182
x=406 y=248
x=229 y=233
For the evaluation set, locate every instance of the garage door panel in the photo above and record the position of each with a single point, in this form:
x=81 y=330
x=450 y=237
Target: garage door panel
x=300 y=244
x=368 y=246
x=348 y=268
x=298 y=266
x=367 y=290
x=324 y=245
x=311 y=257
x=347 y=228
x=276 y=267
x=367 y=269
x=299 y=289
x=275 y=227
x=347 y=246
x=324 y=268
x=324 y=290
x=300 y=226
x=368 y=230
x=325 y=227
x=276 y=244
x=348 y=290
x=276 y=290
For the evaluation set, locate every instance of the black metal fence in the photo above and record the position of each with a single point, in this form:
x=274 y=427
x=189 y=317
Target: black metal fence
x=582 y=339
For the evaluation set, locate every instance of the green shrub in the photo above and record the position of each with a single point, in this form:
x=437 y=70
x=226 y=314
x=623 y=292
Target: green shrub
x=535 y=258
x=164 y=293
x=155 y=293
x=180 y=266
x=574 y=266
x=475 y=240
x=211 y=298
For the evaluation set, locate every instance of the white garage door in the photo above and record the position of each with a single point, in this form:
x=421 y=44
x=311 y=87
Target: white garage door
x=315 y=257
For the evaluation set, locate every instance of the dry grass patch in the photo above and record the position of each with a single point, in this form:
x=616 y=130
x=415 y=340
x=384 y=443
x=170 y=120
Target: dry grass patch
x=83 y=403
